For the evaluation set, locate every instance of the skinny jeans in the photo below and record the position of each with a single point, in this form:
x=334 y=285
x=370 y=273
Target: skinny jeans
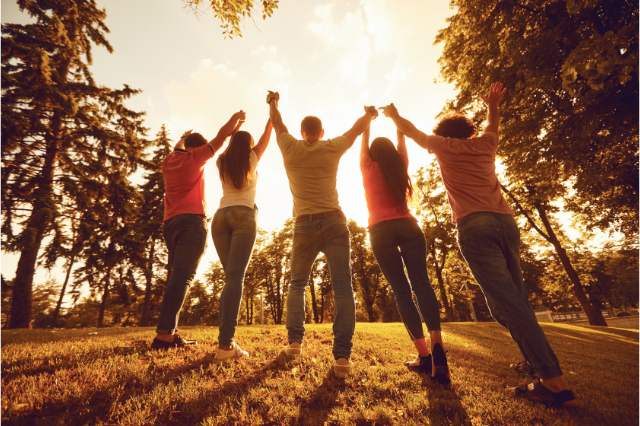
x=233 y=231
x=398 y=244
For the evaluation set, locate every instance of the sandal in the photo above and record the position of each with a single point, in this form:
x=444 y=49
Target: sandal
x=538 y=392
x=525 y=369
x=424 y=367
x=441 y=366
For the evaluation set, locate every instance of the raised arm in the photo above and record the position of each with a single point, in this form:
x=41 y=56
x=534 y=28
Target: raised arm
x=405 y=126
x=402 y=145
x=263 y=143
x=361 y=124
x=364 y=150
x=274 y=113
x=493 y=101
x=180 y=144
x=227 y=130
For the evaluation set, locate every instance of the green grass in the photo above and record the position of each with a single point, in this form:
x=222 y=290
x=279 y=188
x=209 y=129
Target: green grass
x=71 y=377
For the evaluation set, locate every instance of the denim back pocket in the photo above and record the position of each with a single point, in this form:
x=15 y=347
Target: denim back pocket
x=302 y=242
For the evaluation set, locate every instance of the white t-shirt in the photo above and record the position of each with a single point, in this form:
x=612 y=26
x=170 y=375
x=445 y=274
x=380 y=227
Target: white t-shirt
x=247 y=194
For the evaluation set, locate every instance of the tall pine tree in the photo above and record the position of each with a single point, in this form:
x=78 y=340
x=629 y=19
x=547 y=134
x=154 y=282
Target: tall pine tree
x=59 y=128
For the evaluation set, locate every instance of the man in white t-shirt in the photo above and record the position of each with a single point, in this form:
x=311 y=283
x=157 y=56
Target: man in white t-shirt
x=312 y=167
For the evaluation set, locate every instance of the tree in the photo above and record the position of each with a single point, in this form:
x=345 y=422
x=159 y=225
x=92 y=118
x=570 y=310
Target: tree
x=438 y=230
x=571 y=113
x=150 y=216
x=231 y=13
x=365 y=273
x=58 y=127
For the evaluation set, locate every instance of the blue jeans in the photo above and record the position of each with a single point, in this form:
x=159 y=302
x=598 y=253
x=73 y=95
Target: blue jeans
x=386 y=237
x=330 y=236
x=186 y=238
x=490 y=243
x=234 y=232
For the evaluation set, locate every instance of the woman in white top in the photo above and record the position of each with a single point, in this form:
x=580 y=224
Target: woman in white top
x=234 y=229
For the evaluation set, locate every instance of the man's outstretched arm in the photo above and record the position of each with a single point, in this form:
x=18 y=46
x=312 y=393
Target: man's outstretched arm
x=405 y=126
x=227 y=130
x=361 y=124
x=493 y=101
x=274 y=113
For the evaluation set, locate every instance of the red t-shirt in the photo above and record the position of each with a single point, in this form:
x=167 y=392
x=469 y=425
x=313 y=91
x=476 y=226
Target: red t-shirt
x=183 y=174
x=468 y=170
x=380 y=201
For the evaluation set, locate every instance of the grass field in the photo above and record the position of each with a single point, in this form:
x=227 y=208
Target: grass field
x=76 y=377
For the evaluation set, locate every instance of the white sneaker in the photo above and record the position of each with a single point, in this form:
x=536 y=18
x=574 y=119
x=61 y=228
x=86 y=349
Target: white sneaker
x=234 y=353
x=342 y=368
x=293 y=349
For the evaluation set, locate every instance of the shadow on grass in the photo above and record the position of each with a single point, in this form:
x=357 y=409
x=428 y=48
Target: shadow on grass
x=96 y=408
x=233 y=389
x=317 y=408
x=445 y=405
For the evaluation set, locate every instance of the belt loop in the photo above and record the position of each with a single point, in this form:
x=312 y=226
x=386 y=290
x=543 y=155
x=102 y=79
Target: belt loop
x=325 y=214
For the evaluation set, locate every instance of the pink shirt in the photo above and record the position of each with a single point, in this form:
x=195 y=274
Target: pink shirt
x=380 y=201
x=183 y=174
x=468 y=170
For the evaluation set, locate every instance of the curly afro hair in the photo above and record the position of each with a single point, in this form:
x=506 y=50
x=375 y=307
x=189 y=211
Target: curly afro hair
x=455 y=125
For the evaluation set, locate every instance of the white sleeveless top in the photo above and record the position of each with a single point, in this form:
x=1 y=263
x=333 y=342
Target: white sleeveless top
x=247 y=194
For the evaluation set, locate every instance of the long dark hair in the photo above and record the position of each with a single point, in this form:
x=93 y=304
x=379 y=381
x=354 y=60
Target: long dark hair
x=234 y=163
x=394 y=170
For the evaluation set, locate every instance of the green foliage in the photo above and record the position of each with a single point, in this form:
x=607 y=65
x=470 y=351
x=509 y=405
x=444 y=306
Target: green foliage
x=66 y=141
x=232 y=12
x=580 y=146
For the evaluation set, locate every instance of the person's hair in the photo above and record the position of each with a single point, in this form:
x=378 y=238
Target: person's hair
x=234 y=164
x=311 y=125
x=194 y=140
x=455 y=125
x=394 y=171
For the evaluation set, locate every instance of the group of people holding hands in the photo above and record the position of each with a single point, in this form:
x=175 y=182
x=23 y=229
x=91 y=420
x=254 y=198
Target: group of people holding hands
x=488 y=235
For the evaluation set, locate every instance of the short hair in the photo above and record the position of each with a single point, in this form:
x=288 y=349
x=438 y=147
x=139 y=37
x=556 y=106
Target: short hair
x=455 y=125
x=311 y=125
x=194 y=140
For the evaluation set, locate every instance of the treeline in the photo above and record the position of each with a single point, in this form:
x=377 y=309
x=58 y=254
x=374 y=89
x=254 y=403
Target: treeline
x=568 y=144
x=128 y=292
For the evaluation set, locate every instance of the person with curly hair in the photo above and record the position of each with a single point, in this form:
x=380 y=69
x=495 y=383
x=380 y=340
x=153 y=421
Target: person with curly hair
x=489 y=238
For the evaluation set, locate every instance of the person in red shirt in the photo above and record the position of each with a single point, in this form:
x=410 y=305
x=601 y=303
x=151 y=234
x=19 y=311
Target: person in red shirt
x=489 y=238
x=185 y=222
x=398 y=242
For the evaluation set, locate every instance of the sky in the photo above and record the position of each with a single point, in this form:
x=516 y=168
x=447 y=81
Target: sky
x=327 y=59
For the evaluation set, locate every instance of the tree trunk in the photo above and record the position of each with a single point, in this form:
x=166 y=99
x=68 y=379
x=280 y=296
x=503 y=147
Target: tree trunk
x=594 y=315
x=144 y=320
x=443 y=293
x=314 y=305
x=56 y=313
x=41 y=216
x=105 y=296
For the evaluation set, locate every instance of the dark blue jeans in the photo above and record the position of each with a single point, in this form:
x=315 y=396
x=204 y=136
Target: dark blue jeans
x=396 y=244
x=329 y=235
x=186 y=238
x=234 y=232
x=490 y=243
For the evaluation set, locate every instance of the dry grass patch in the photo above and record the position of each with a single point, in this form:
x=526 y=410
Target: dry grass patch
x=72 y=377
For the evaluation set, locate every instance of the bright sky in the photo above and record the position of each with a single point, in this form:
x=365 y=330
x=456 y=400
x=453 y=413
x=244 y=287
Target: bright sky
x=325 y=58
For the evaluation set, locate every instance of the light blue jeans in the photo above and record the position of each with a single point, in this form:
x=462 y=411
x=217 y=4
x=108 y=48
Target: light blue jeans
x=234 y=232
x=490 y=243
x=330 y=236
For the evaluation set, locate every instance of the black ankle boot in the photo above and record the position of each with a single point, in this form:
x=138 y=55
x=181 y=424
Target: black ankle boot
x=424 y=367
x=441 y=366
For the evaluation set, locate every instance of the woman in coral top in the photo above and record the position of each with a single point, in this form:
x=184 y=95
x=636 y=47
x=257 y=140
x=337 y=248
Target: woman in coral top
x=398 y=242
x=234 y=229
